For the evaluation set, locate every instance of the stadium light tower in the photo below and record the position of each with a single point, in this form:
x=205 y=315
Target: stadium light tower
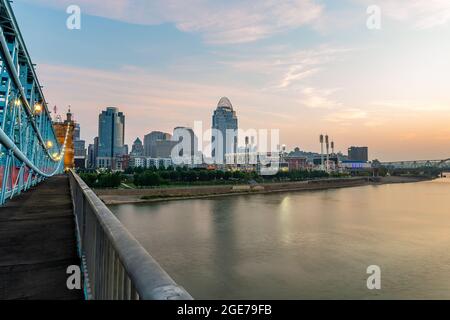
x=327 y=142
x=321 y=152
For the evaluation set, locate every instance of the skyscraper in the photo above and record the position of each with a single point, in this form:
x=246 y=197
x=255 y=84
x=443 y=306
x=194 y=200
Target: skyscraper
x=77 y=132
x=79 y=148
x=91 y=156
x=150 y=142
x=180 y=134
x=186 y=149
x=224 y=127
x=111 y=137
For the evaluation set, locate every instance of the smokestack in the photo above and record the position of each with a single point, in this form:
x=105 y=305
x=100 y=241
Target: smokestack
x=332 y=147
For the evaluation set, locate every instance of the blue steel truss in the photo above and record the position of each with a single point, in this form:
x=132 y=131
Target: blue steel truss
x=29 y=149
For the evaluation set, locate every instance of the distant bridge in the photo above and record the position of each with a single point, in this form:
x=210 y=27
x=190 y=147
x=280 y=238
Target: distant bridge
x=417 y=164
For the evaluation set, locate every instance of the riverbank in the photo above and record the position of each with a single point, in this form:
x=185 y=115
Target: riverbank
x=126 y=196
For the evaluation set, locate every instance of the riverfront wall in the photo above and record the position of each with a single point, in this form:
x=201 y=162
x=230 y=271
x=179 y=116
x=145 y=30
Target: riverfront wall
x=120 y=196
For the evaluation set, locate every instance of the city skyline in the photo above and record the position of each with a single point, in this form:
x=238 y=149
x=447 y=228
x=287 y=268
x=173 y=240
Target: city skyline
x=262 y=135
x=382 y=88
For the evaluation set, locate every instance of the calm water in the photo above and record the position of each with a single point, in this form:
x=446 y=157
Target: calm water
x=303 y=245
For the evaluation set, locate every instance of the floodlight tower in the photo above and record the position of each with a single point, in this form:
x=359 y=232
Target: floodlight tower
x=327 y=142
x=321 y=151
x=335 y=164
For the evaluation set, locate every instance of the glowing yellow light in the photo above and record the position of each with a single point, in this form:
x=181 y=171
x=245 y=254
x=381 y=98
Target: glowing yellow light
x=17 y=102
x=37 y=108
x=55 y=155
x=49 y=144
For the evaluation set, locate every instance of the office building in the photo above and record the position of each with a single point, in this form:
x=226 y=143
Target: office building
x=162 y=149
x=111 y=137
x=187 y=148
x=224 y=127
x=90 y=157
x=358 y=154
x=79 y=148
x=137 y=150
x=93 y=154
x=151 y=139
x=80 y=154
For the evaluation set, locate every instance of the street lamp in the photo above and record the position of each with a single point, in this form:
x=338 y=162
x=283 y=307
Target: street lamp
x=37 y=108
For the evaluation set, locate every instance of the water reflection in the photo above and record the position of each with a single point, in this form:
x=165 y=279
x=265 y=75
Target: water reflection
x=303 y=245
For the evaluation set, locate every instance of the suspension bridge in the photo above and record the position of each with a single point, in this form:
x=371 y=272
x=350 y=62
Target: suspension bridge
x=50 y=221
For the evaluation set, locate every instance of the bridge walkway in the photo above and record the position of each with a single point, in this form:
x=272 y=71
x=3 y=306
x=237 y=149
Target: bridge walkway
x=38 y=243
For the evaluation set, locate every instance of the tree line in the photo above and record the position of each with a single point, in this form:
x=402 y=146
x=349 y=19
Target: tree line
x=183 y=176
x=154 y=177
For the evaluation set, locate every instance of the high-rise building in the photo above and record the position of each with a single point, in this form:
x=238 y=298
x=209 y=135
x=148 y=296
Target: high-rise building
x=187 y=144
x=90 y=156
x=358 y=154
x=95 y=154
x=162 y=149
x=80 y=154
x=137 y=150
x=225 y=128
x=77 y=132
x=111 y=137
x=150 y=142
x=79 y=148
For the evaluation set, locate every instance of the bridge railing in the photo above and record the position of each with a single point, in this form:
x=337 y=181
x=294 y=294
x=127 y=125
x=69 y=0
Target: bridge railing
x=116 y=266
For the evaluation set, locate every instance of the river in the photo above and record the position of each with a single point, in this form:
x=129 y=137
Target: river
x=303 y=245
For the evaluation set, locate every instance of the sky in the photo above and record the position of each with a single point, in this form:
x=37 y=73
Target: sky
x=304 y=67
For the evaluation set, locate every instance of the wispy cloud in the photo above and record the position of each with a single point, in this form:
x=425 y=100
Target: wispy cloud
x=217 y=22
x=347 y=116
x=154 y=101
x=419 y=14
x=287 y=67
x=318 y=98
x=417 y=106
x=296 y=73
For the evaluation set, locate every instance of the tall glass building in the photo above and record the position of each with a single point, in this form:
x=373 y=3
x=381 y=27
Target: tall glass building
x=111 y=133
x=224 y=130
